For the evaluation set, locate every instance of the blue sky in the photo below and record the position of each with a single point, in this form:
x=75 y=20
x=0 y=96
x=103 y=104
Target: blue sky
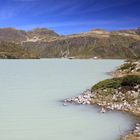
x=70 y=16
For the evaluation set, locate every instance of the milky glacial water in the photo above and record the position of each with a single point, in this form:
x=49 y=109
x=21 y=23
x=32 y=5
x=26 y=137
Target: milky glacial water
x=30 y=95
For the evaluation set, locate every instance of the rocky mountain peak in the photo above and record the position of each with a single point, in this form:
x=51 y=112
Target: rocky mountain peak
x=98 y=31
x=12 y=35
x=42 y=32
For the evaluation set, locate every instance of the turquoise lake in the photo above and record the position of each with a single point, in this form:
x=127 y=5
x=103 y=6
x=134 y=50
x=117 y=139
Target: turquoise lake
x=30 y=101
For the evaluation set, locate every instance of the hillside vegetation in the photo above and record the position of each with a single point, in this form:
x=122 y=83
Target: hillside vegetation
x=97 y=43
x=13 y=51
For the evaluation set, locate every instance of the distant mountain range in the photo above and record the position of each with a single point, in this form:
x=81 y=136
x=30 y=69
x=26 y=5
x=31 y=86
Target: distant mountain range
x=45 y=43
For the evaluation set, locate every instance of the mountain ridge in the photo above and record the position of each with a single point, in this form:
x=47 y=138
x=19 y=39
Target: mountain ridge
x=46 y=43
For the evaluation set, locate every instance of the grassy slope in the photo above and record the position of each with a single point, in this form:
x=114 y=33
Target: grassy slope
x=13 y=51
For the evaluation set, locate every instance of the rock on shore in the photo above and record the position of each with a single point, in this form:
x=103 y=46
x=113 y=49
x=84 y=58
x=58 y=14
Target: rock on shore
x=84 y=98
x=134 y=135
x=121 y=93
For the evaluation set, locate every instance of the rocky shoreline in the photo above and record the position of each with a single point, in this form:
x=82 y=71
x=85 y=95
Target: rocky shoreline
x=90 y=98
x=127 y=68
x=124 y=99
x=134 y=134
x=84 y=98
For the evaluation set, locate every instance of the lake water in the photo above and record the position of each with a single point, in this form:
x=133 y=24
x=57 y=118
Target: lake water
x=30 y=107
